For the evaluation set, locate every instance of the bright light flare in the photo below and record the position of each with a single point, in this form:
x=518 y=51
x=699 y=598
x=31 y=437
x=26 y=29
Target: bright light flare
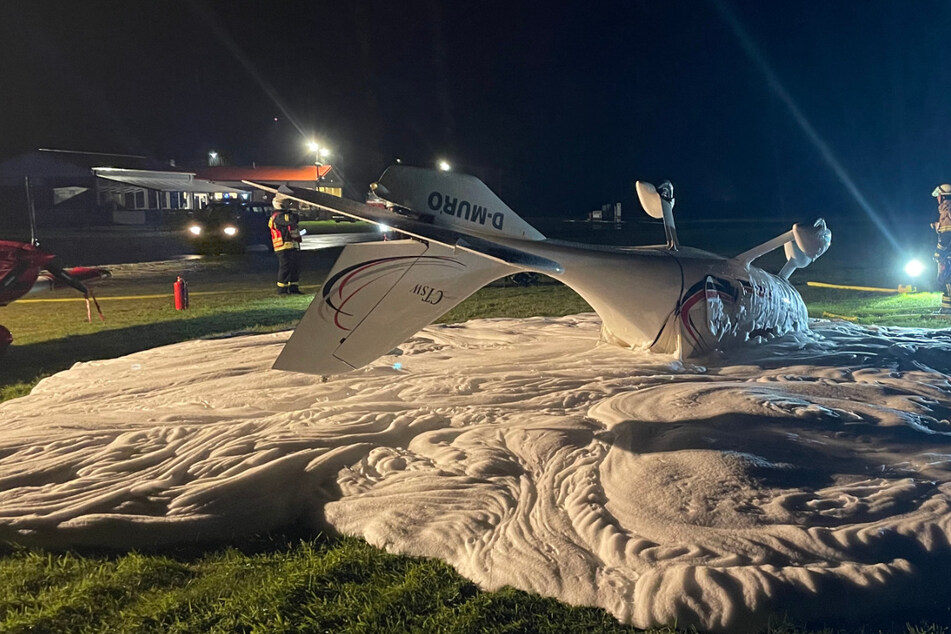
x=444 y=166
x=824 y=149
x=230 y=231
x=195 y=230
x=384 y=228
x=314 y=146
x=914 y=268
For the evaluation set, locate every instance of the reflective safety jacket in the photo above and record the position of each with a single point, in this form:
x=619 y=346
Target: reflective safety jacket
x=284 y=231
x=942 y=253
x=944 y=217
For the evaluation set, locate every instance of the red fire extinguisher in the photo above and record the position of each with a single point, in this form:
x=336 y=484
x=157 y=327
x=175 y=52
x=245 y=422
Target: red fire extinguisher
x=181 y=293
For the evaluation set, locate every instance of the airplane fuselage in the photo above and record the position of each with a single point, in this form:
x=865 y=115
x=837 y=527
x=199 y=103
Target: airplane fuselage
x=635 y=291
x=668 y=299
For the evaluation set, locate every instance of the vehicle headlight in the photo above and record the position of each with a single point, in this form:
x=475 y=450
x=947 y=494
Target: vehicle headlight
x=195 y=230
x=230 y=231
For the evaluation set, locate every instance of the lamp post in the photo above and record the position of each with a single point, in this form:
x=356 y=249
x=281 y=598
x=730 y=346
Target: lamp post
x=319 y=151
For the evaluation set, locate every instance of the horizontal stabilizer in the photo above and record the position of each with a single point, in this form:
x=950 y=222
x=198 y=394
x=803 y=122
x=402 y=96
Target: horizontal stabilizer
x=378 y=295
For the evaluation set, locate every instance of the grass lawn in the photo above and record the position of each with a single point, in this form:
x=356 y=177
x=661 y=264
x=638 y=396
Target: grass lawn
x=907 y=309
x=294 y=581
x=271 y=584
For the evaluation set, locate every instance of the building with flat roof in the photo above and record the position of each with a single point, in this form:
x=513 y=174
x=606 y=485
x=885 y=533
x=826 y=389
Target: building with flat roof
x=75 y=188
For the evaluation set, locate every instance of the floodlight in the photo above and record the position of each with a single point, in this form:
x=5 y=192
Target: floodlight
x=914 y=268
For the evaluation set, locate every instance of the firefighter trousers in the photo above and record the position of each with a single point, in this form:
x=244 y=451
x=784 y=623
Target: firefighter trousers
x=288 y=267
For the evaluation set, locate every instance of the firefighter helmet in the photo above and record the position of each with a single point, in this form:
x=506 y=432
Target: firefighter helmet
x=284 y=203
x=941 y=191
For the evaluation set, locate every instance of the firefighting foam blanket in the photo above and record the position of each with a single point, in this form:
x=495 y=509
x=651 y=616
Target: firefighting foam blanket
x=813 y=468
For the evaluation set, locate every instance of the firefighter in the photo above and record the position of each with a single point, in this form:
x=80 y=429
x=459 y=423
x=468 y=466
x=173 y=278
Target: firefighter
x=942 y=254
x=285 y=236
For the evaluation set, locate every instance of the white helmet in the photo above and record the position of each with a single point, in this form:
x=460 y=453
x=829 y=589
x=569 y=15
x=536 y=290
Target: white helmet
x=942 y=190
x=280 y=199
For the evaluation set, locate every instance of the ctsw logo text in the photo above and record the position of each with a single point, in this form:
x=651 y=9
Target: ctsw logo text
x=428 y=294
x=464 y=209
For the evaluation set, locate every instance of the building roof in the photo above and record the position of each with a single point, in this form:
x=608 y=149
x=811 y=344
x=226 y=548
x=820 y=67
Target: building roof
x=162 y=181
x=47 y=163
x=232 y=173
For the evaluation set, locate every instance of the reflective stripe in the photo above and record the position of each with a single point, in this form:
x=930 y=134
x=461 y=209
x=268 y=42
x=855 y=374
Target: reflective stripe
x=276 y=238
x=277 y=235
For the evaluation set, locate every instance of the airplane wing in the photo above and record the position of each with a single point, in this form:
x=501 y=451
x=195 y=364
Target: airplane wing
x=377 y=295
x=417 y=229
x=53 y=278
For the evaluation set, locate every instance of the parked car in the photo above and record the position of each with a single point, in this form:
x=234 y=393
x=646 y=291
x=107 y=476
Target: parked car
x=230 y=227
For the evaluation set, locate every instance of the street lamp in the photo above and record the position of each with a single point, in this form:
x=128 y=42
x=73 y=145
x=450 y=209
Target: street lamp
x=319 y=152
x=212 y=158
x=444 y=166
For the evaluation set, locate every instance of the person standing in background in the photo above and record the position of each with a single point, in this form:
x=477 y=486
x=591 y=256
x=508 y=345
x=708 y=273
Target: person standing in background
x=942 y=254
x=285 y=236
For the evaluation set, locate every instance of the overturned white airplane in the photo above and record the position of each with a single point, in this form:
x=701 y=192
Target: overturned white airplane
x=670 y=299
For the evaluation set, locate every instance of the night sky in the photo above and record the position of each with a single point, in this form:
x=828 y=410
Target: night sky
x=753 y=108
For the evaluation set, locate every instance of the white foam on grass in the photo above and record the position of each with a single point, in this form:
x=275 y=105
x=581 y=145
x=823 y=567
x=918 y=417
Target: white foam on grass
x=522 y=452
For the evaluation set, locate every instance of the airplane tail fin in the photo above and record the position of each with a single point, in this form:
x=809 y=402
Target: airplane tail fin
x=453 y=200
x=377 y=295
